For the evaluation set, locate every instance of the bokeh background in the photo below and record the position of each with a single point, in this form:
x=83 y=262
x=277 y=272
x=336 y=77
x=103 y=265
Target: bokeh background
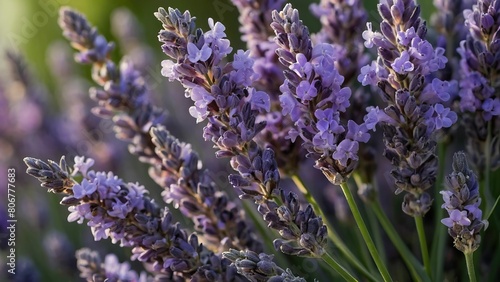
x=45 y=112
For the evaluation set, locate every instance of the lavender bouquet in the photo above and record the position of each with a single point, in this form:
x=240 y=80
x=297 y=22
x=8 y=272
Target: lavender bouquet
x=300 y=118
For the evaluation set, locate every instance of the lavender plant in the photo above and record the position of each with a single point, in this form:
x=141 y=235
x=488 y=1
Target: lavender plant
x=461 y=201
x=224 y=96
x=479 y=98
x=290 y=99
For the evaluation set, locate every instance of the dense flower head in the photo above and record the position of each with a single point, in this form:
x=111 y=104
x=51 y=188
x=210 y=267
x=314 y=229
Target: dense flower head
x=479 y=90
x=313 y=96
x=255 y=18
x=461 y=201
x=192 y=190
x=404 y=72
x=84 y=38
x=224 y=93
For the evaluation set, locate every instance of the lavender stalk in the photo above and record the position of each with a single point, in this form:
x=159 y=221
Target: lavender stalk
x=223 y=95
x=479 y=95
x=255 y=19
x=312 y=94
x=124 y=213
x=174 y=165
x=461 y=201
x=415 y=110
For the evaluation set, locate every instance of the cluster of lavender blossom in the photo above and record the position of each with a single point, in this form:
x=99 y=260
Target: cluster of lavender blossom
x=292 y=96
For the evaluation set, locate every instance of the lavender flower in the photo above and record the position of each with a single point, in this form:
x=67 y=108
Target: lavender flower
x=415 y=110
x=123 y=212
x=259 y=267
x=342 y=25
x=461 y=201
x=313 y=96
x=479 y=98
x=174 y=166
x=193 y=191
x=124 y=90
x=231 y=110
x=255 y=19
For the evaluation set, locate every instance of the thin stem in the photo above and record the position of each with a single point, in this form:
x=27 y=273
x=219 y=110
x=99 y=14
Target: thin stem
x=423 y=243
x=372 y=221
x=335 y=265
x=492 y=209
x=363 y=251
x=469 y=259
x=377 y=236
x=332 y=234
x=487 y=155
x=364 y=231
x=439 y=239
x=414 y=266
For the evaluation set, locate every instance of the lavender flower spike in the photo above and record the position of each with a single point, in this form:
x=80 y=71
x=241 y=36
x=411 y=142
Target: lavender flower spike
x=479 y=88
x=124 y=213
x=461 y=201
x=255 y=19
x=223 y=95
x=313 y=96
x=174 y=166
x=415 y=111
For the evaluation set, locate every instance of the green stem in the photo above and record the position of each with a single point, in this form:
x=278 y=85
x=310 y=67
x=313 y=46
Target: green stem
x=372 y=220
x=487 y=155
x=335 y=265
x=377 y=236
x=469 y=259
x=492 y=209
x=332 y=234
x=414 y=266
x=439 y=239
x=423 y=243
x=364 y=231
x=308 y=196
x=363 y=251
